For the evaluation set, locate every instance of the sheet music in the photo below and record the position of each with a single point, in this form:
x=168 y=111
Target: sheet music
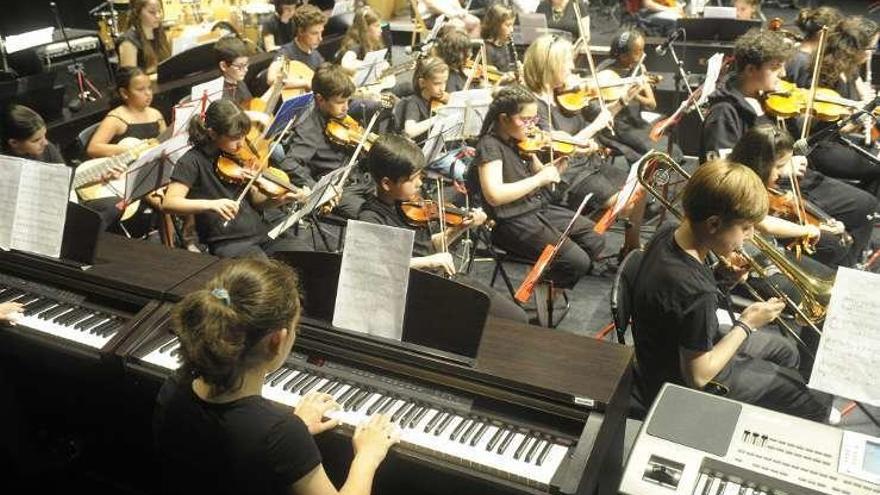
x=213 y=89
x=713 y=70
x=152 y=169
x=848 y=359
x=321 y=194
x=373 y=279
x=371 y=68
x=36 y=207
x=289 y=110
x=629 y=188
x=183 y=114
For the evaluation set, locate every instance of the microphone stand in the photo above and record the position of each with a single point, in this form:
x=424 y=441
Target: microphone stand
x=680 y=80
x=76 y=68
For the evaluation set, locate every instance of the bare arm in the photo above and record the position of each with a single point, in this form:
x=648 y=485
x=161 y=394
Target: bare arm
x=176 y=202
x=99 y=145
x=497 y=192
x=127 y=54
x=412 y=128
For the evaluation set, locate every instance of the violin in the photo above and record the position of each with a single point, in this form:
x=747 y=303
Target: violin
x=347 y=132
x=492 y=73
x=610 y=87
x=558 y=142
x=782 y=205
x=439 y=102
x=247 y=163
x=790 y=101
x=421 y=211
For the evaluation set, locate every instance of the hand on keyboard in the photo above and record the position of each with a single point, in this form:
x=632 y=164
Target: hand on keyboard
x=312 y=410
x=373 y=437
x=9 y=312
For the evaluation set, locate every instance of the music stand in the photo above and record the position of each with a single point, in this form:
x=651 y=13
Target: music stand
x=428 y=327
x=200 y=58
x=716 y=29
x=152 y=170
x=82 y=227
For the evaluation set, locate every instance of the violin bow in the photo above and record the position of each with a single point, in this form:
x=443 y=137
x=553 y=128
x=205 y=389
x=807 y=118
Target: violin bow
x=584 y=39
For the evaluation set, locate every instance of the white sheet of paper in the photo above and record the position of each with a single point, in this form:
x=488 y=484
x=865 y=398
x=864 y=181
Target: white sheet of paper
x=629 y=188
x=142 y=176
x=713 y=70
x=373 y=279
x=38 y=206
x=342 y=7
x=848 y=359
x=23 y=41
x=321 y=194
x=466 y=110
x=213 y=89
x=371 y=67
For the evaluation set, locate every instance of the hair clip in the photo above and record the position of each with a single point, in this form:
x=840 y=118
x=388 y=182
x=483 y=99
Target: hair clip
x=222 y=294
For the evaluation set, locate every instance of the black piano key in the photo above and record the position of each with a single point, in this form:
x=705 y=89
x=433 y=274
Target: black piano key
x=37 y=306
x=443 y=424
x=175 y=352
x=401 y=411
x=479 y=434
x=306 y=385
x=72 y=316
x=346 y=395
x=721 y=487
x=295 y=380
x=361 y=401
x=91 y=320
x=522 y=446
x=506 y=442
x=409 y=415
x=467 y=433
x=52 y=313
x=110 y=324
x=544 y=452
x=49 y=307
x=12 y=294
x=433 y=421
x=494 y=440
x=27 y=299
x=710 y=480
x=377 y=404
x=417 y=417
x=271 y=376
x=533 y=449
x=168 y=345
x=355 y=399
x=385 y=407
x=460 y=428
x=327 y=386
x=335 y=388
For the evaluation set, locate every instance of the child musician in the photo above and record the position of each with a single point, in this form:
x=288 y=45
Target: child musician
x=310 y=152
x=675 y=299
x=134 y=118
x=230 y=228
x=214 y=432
x=454 y=47
x=512 y=189
x=278 y=30
x=734 y=108
x=396 y=164
x=496 y=30
x=364 y=36
x=145 y=43
x=799 y=67
x=309 y=22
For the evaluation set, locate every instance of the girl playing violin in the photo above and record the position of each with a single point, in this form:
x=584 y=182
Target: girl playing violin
x=134 y=118
x=496 y=31
x=396 y=164
x=213 y=430
x=454 y=48
x=429 y=82
x=229 y=228
x=512 y=191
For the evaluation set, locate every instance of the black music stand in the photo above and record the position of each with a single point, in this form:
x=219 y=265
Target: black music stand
x=82 y=227
x=443 y=318
x=200 y=58
x=717 y=29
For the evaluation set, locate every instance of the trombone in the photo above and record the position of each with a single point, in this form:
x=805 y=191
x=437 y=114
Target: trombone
x=655 y=171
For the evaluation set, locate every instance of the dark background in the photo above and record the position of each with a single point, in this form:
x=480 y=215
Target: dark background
x=18 y=16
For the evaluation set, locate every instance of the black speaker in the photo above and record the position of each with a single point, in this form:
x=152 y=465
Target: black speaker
x=95 y=67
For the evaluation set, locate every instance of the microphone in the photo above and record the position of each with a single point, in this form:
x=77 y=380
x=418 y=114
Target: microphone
x=664 y=47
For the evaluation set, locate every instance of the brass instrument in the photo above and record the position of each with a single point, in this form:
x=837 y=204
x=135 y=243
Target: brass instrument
x=655 y=170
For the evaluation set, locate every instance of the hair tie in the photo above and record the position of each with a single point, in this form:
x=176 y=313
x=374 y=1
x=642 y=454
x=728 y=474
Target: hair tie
x=222 y=294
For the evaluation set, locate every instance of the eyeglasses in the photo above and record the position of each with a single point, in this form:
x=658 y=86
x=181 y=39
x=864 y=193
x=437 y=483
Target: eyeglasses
x=529 y=121
x=241 y=67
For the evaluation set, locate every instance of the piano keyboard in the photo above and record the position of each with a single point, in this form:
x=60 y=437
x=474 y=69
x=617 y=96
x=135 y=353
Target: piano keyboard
x=440 y=426
x=63 y=317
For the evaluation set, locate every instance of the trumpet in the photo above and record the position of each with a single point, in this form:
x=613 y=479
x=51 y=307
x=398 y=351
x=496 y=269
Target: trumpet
x=656 y=169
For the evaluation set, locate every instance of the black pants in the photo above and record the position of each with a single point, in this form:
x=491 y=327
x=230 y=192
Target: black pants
x=589 y=177
x=764 y=373
x=527 y=235
x=838 y=160
x=846 y=203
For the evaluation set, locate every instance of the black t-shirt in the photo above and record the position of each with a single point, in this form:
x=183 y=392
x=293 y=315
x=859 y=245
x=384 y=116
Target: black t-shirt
x=799 y=69
x=673 y=305
x=499 y=56
x=375 y=211
x=358 y=50
x=310 y=154
x=567 y=21
x=196 y=169
x=728 y=118
x=415 y=108
x=237 y=92
x=250 y=445
x=491 y=147
x=456 y=81
x=313 y=60
x=132 y=37
x=283 y=33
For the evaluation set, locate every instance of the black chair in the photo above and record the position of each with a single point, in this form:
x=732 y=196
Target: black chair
x=84 y=137
x=621 y=312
